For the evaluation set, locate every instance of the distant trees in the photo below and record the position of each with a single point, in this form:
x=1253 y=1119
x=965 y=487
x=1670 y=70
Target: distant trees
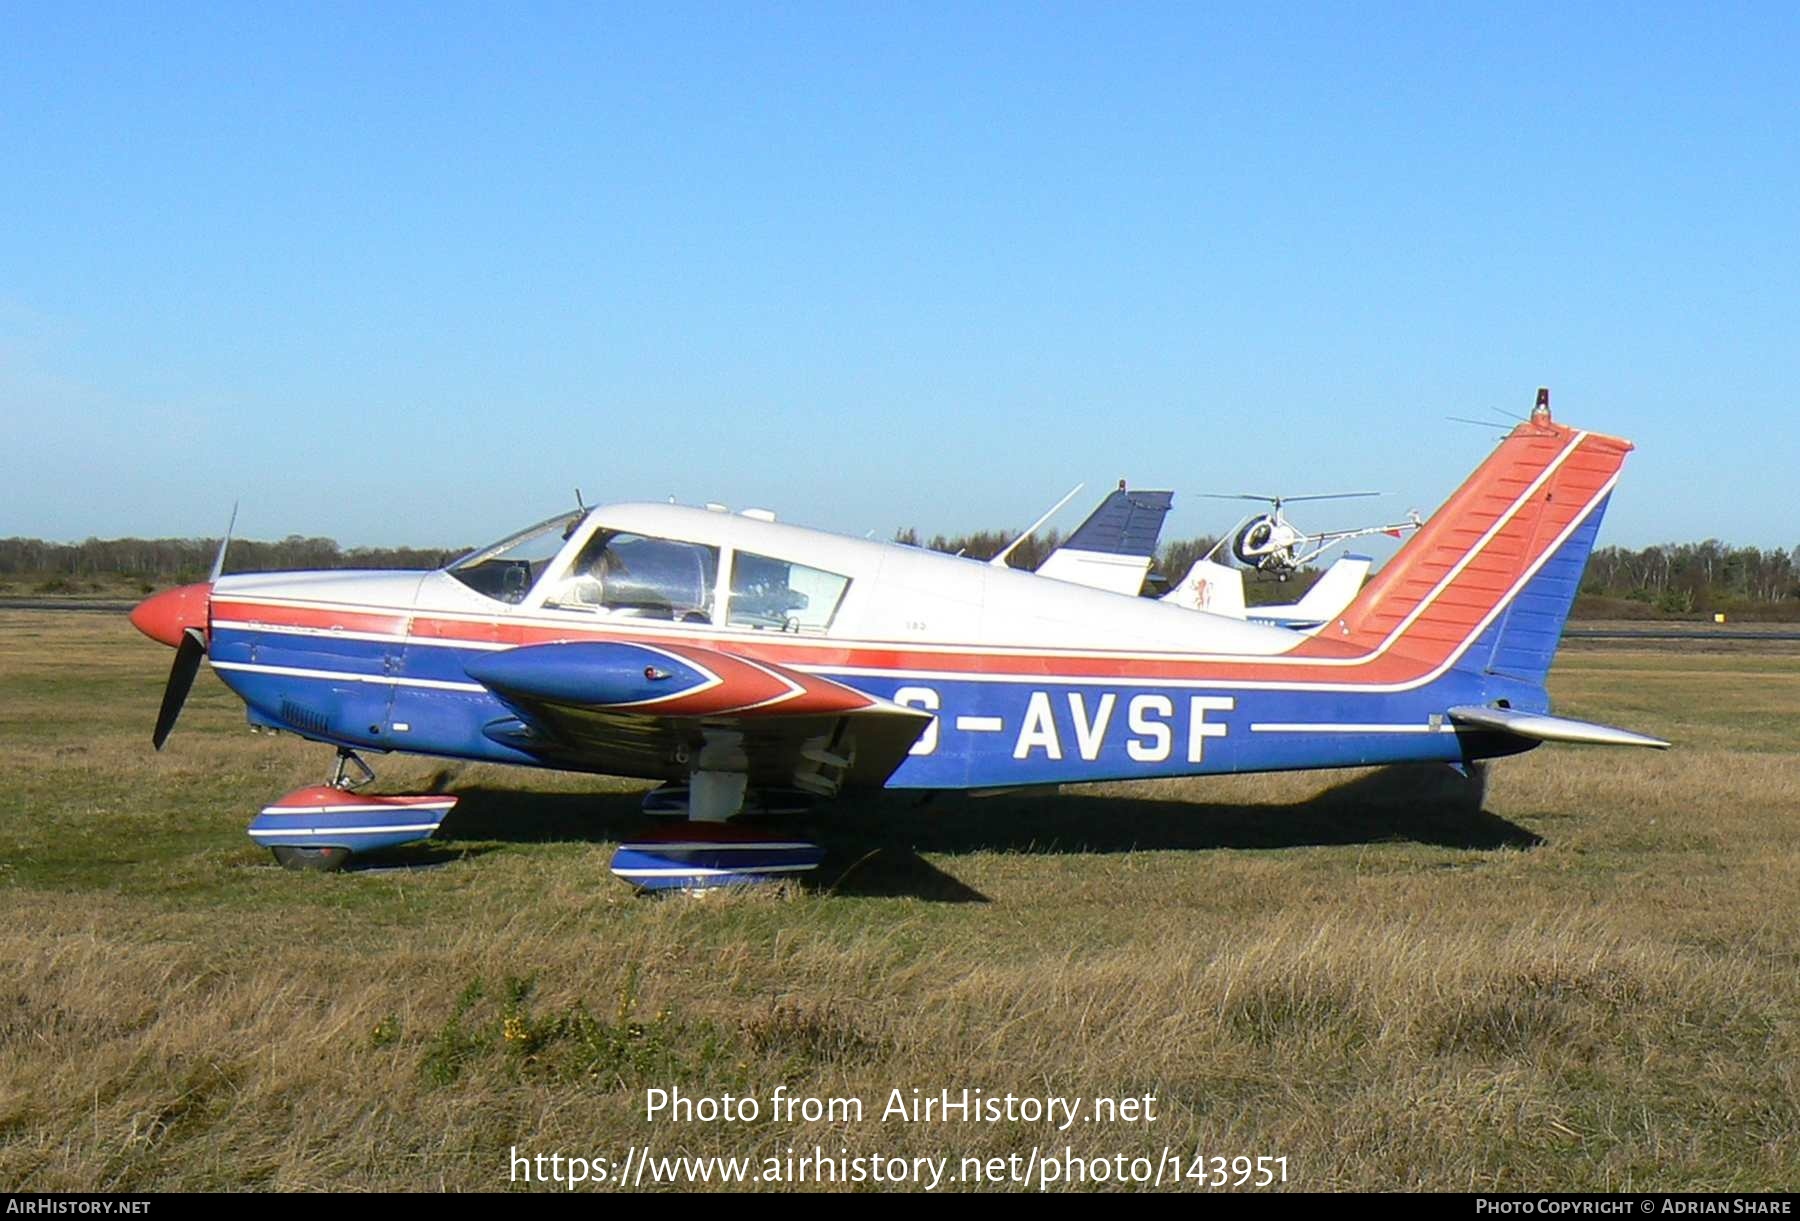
x=986 y=544
x=1173 y=559
x=1697 y=578
x=1667 y=579
x=161 y=561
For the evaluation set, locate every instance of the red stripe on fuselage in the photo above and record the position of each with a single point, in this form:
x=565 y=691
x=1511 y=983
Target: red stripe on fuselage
x=322 y=617
x=749 y=686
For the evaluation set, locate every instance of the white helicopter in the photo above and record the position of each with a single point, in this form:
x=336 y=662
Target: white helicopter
x=1271 y=544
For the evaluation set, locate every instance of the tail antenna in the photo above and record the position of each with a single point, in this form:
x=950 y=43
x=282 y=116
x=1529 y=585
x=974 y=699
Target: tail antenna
x=999 y=561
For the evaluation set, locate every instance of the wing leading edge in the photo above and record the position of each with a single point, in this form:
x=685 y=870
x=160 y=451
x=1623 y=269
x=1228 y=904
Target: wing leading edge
x=660 y=711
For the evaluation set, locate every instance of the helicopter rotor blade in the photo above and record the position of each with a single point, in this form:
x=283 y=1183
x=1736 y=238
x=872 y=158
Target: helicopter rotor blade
x=1281 y=500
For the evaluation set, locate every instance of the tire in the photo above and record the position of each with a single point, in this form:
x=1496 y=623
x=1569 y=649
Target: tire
x=311 y=860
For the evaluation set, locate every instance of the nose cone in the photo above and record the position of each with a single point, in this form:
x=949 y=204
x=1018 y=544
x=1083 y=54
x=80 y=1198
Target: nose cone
x=166 y=616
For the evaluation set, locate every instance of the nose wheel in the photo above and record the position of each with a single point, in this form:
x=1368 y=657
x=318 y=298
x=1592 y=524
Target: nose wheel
x=310 y=860
x=319 y=828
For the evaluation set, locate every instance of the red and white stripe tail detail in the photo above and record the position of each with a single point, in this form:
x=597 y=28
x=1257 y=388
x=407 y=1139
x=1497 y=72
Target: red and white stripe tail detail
x=1475 y=552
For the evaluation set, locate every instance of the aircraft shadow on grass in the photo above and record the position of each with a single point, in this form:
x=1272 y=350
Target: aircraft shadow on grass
x=874 y=842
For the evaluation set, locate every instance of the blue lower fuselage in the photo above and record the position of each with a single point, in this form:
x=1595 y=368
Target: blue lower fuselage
x=989 y=730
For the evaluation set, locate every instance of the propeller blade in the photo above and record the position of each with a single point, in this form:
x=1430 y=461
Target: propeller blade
x=219 y=560
x=181 y=680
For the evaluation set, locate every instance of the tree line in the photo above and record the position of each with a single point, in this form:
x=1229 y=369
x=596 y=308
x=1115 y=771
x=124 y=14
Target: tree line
x=54 y=567
x=1690 y=578
x=1172 y=561
x=1172 y=558
x=1667 y=579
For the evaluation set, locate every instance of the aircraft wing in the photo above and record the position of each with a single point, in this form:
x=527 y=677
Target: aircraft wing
x=1542 y=727
x=597 y=705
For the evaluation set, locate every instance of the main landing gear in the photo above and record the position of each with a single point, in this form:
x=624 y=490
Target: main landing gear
x=322 y=826
x=705 y=850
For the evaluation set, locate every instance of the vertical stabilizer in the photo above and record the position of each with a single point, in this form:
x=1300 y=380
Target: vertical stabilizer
x=1113 y=548
x=1491 y=575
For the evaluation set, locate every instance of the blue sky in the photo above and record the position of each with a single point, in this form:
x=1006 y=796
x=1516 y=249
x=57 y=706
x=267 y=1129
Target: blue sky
x=409 y=274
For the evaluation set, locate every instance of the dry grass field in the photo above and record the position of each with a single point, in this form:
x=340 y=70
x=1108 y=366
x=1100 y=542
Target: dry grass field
x=1587 y=980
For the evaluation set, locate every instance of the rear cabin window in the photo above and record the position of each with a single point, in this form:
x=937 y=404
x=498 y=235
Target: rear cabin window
x=782 y=596
x=645 y=578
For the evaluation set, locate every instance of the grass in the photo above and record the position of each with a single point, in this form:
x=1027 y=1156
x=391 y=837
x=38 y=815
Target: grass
x=1586 y=980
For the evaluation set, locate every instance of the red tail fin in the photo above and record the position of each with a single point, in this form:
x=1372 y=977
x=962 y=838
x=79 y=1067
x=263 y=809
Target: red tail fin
x=1476 y=552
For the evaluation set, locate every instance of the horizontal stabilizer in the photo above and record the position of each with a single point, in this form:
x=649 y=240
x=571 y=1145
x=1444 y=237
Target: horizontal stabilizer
x=1119 y=574
x=1331 y=593
x=1542 y=727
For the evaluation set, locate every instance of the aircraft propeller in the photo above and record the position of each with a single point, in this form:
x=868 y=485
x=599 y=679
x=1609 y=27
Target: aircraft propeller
x=181 y=681
x=168 y=617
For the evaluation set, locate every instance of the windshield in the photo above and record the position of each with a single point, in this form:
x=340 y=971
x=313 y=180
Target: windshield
x=508 y=569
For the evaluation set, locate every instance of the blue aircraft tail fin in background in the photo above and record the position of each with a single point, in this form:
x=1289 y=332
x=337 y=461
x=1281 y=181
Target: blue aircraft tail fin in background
x=1125 y=523
x=1113 y=548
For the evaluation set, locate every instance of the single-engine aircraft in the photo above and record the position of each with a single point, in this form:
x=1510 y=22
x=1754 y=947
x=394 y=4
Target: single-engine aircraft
x=754 y=665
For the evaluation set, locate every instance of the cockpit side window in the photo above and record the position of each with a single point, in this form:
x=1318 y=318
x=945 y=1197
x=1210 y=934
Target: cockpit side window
x=646 y=578
x=508 y=569
x=780 y=595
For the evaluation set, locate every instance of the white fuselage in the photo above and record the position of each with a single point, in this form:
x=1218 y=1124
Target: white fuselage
x=896 y=594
